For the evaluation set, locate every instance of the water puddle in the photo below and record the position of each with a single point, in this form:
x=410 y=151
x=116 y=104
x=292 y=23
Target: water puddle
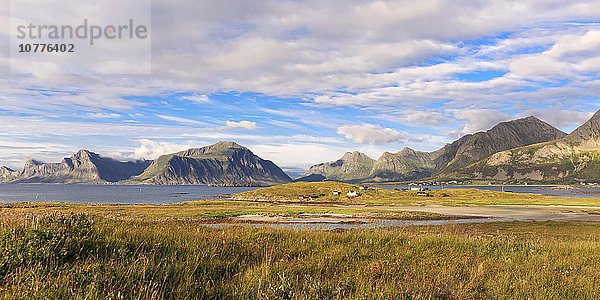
x=356 y=224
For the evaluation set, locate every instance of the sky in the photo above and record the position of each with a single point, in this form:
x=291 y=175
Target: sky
x=302 y=82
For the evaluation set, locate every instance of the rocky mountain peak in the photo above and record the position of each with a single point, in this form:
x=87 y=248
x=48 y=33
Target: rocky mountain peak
x=84 y=155
x=354 y=156
x=220 y=148
x=589 y=131
x=5 y=169
x=6 y=173
x=30 y=162
x=529 y=124
x=226 y=145
x=407 y=150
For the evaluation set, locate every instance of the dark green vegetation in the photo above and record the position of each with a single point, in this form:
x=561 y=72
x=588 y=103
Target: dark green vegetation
x=409 y=164
x=69 y=256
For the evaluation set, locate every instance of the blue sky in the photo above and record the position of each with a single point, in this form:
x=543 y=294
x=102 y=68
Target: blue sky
x=301 y=82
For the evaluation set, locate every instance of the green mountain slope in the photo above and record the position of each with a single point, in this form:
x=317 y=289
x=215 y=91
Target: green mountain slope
x=353 y=166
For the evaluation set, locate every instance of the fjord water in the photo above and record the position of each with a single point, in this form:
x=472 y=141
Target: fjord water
x=112 y=194
x=581 y=192
x=160 y=194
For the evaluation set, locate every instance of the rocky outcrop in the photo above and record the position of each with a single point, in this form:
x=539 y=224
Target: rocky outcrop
x=224 y=163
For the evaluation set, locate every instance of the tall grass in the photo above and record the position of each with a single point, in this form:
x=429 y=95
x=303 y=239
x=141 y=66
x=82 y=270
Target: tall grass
x=80 y=257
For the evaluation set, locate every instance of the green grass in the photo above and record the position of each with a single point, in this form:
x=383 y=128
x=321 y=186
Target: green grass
x=290 y=192
x=66 y=256
x=206 y=210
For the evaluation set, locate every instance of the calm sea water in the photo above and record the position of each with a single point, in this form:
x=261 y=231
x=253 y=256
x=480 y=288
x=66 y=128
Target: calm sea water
x=156 y=194
x=579 y=192
x=111 y=194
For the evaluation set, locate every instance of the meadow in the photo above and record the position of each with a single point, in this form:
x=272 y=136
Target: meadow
x=187 y=250
x=51 y=253
x=452 y=197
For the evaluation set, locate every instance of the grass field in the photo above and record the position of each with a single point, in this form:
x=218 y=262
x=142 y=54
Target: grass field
x=65 y=256
x=69 y=251
x=290 y=193
x=204 y=210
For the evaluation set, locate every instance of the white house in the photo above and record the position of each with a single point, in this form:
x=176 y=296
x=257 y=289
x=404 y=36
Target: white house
x=352 y=194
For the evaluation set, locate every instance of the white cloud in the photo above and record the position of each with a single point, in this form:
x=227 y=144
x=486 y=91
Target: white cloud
x=570 y=54
x=248 y=125
x=371 y=134
x=371 y=48
x=480 y=119
x=380 y=57
x=181 y=120
x=560 y=117
x=197 y=98
x=149 y=149
x=103 y=115
x=304 y=154
x=424 y=117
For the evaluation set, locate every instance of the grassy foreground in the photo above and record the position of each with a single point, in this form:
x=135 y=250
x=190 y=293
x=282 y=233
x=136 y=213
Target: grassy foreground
x=77 y=256
x=290 y=192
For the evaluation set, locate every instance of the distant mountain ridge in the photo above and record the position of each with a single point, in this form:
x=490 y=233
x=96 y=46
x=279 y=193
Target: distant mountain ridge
x=352 y=166
x=224 y=163
x=575 y=157
x=409 y=164
x=82 y=167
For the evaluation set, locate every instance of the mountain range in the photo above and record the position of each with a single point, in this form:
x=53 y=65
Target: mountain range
x=482 y=155
x=82 y=167
x=224 y=163
x=572 y=158
x=526 y=149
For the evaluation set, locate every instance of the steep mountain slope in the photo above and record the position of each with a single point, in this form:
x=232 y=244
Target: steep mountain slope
x=504 y=136
x=7 y=174
x=224 y=163
x=575 y=157
x=353 y=166
x=82 y=167
x=409 y=164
